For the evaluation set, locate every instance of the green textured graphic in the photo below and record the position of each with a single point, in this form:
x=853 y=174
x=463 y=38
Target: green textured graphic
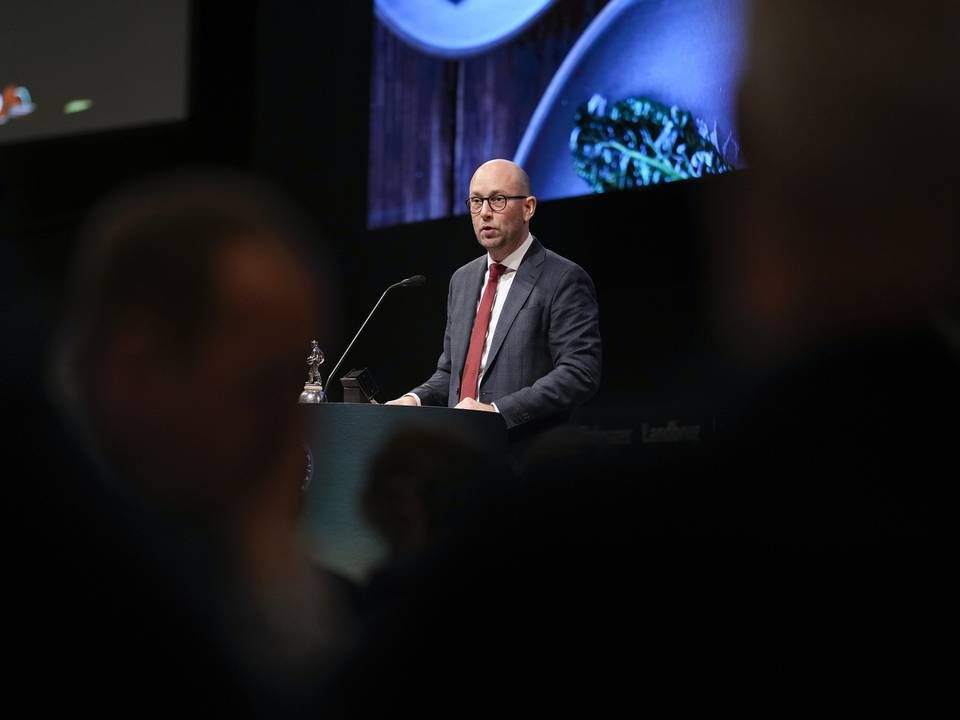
x=641 y=142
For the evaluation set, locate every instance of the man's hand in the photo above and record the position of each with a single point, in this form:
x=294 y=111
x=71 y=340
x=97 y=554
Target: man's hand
x=403 y=400
x=471 y=404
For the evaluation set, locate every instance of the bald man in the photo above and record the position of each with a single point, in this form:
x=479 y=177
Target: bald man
x=523 y=330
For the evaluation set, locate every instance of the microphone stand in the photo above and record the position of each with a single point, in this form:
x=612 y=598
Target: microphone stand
x=414 y=281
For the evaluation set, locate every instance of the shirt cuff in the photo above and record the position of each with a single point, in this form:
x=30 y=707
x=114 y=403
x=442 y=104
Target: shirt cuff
x=415 y=397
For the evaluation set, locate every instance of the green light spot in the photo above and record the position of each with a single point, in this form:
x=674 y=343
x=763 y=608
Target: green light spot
x=75 y=106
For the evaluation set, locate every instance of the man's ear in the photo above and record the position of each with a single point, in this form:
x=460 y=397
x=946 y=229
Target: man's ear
x=529 y=208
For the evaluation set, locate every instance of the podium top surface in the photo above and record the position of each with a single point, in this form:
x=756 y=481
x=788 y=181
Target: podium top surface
x=345 y=422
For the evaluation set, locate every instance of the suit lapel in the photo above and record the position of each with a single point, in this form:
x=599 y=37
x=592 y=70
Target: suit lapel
x=527 y=274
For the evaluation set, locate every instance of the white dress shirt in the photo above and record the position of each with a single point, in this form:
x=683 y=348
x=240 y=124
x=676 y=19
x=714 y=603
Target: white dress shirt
x=512 y=263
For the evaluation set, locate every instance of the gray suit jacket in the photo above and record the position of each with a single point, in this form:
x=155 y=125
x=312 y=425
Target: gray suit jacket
x=544 y=357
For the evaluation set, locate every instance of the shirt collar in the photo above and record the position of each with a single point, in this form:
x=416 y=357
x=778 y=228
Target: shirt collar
x=512 y=261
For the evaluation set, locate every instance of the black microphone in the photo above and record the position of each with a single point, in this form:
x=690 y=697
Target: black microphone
x=415 y=281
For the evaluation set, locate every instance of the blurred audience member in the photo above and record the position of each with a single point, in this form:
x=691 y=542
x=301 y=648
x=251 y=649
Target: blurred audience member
x=839 y=298
x=422 y=483
x=417 y=482
x=840 y=290
x=193 y=300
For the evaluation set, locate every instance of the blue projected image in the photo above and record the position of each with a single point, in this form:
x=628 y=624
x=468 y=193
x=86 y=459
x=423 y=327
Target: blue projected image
x=588 y=96
x=458 y=28
x=682 y=56
x=642 y=142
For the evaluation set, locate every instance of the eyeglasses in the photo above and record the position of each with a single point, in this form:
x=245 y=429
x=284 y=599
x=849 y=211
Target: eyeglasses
x=497 y=202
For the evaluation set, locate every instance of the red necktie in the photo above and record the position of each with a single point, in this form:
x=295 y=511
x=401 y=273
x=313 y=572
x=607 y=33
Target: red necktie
x=471 y=368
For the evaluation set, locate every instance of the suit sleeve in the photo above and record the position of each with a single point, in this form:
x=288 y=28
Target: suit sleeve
x=436 y=390
x=574 y=344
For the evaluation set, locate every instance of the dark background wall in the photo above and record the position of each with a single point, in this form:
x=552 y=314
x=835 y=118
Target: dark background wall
x=282 y=88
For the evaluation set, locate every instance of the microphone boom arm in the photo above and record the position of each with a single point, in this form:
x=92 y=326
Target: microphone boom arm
x=414 y=281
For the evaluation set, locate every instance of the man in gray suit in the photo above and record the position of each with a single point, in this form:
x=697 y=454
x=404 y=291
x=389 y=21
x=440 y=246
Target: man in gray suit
x=522 y=336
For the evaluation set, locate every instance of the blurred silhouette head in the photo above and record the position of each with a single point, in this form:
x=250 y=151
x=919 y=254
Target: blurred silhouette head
x=417 y=485
x=192 y=304
x=846 y=110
